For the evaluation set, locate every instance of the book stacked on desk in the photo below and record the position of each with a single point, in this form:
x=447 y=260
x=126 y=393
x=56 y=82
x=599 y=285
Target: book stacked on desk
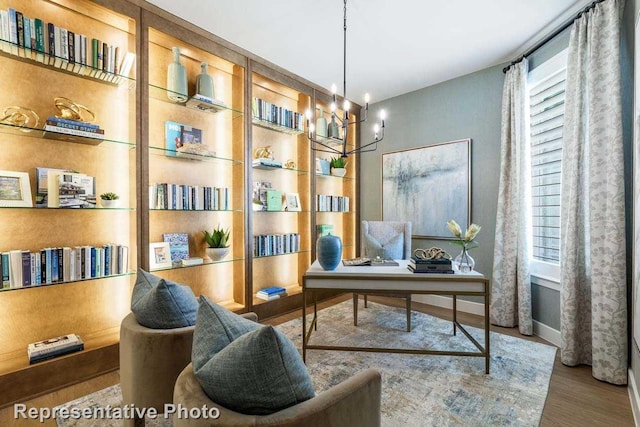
x=274 y=292
x=73 y=127
x=53 y=347
x=436 y=266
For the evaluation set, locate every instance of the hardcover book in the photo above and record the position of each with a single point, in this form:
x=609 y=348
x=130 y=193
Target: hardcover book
x=178 y=134
x=274 y=200
x=178 y=246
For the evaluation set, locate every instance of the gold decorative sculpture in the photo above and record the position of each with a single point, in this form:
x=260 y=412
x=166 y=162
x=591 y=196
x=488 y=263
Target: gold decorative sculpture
x=264 y=152
x=70 y=110
x=20 y=116
x=433 y=253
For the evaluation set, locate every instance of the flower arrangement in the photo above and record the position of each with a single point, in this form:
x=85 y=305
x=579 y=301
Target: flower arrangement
x=467 y=241
x=338 y=162
x=464 y=261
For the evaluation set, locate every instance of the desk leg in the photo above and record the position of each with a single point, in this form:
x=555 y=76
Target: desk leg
x=487 y=341
x=455 y=314
x=315 y=312
x=304 y=325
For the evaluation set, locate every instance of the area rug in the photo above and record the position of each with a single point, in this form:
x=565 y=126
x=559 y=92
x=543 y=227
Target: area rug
x=417 y=390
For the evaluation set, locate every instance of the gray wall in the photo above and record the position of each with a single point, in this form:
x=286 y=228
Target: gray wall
x=465 y=107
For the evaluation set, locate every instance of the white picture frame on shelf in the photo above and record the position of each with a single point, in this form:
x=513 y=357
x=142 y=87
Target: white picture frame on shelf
x=159 y=255
x=15 y=190
x=292 y=202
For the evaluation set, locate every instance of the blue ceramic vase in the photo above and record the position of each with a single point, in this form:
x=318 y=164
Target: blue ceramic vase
x=329 y=251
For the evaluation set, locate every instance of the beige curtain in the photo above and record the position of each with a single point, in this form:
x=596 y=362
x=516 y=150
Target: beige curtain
x=511 y=287
x=593 y=273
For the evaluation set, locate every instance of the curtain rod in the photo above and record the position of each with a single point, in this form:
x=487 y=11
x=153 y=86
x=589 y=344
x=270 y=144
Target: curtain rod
x=551 y=36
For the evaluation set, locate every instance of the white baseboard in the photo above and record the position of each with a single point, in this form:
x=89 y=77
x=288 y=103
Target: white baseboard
x=547 y=333
x=634 y=398
x=446 y=302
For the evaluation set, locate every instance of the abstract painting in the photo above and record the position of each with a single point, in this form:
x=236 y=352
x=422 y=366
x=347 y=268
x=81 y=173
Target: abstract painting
x=428 y=186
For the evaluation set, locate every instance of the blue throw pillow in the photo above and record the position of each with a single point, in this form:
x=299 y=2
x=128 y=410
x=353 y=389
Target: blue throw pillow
x=244 y=366
x=162 y=304
x=393 y=249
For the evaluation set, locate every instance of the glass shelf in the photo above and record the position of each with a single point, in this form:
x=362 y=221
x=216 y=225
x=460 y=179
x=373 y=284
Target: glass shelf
x=288 y=253
x=43 y=59
x=295 y=212
x=173 y=154
x=196 y=210
x=335 y=212
x=205 y=262
x=97 y=208
x=273 y=126
x=160 y=94
x=41 y=134
x=346 y=178
x=111 y=276
x=275 y=168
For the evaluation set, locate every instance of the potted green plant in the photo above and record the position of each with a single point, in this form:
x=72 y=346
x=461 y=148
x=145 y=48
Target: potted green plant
x=109 y=200
x=218 y=243
x=338 y=166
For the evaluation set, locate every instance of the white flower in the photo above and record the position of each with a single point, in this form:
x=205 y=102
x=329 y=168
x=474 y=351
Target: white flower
x=472 y=232
x=454 y=228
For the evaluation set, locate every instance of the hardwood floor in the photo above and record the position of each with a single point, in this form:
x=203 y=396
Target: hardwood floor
x=575 y=398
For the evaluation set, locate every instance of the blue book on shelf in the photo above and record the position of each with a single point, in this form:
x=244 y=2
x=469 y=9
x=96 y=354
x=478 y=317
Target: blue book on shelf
x=93 y=261
x=54 y=265
x=107 y=260
x=273 y=290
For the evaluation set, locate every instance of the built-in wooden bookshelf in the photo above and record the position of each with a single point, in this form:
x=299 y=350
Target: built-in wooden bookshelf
x=133 y=110
x=91 y=308
x=219 y=166
x=288 y=145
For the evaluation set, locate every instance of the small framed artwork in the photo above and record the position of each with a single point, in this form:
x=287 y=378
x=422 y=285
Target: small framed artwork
x=159 y=255
x=178 y=246
x=292 y=203
x=15 y=191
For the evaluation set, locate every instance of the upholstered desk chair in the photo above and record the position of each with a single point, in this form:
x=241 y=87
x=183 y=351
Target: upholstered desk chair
x=354 y=402
x=387 y=239
x=150 y=362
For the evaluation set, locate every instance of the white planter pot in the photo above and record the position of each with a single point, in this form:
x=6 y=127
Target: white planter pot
x=339 y=172
x=108 y=203
x=216 y=254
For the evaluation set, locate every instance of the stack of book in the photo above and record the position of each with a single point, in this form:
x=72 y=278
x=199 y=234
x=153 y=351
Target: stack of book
x=73 y=128
x=263 y=161
x=274 y=292
x=437 y=266
x=54 y=347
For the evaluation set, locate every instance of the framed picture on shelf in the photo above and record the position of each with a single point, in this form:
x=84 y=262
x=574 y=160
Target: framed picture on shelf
x=428 y=186
x=292 y=202
x=159 y=255
x=15 y=190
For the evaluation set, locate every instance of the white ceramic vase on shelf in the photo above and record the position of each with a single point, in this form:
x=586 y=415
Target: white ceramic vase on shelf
x=204 y=82
x=176 y=79
x=108 y=203
x=339 y=172
x=321 y=125
x=216 y=254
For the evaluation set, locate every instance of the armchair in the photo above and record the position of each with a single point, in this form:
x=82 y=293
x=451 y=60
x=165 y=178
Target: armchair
x=354 y=402
x=387 y=239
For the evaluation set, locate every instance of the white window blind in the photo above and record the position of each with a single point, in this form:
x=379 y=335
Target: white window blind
x=546 y=102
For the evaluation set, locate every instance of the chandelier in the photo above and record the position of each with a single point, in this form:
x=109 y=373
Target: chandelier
x=330 y=139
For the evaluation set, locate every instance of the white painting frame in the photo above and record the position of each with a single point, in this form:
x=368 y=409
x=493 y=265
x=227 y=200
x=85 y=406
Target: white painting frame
x=159 y=256
x=15 y=190
x=428 y=185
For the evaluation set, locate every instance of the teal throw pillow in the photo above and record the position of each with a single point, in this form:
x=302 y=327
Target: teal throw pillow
x=159 y=303
x=259 y=373
x=393 y=249
x=216 y=327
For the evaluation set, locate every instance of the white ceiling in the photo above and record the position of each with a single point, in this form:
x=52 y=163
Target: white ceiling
x=393 y=47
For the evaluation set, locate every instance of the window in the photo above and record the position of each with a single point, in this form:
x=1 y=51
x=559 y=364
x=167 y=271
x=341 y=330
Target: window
x=546 y=85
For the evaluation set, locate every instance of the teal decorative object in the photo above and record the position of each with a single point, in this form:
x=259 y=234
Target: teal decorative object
x=333 y=129
x=329 y=251
x=177 y=79
x=204 y=82
x=321 y=125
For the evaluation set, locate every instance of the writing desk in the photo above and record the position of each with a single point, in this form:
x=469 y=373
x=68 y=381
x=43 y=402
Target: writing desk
x=395 y=280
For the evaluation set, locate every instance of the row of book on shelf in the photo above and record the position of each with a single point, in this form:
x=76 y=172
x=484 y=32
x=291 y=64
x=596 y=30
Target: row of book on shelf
x=54 y=45
x=436 y=266
x=188 y=197
x=61 y=188
x=271 y=293
x=263 y=110
x=328 y=203
x=23 y=268
x=73 y=127
x=53 y=347
x=275 y=244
